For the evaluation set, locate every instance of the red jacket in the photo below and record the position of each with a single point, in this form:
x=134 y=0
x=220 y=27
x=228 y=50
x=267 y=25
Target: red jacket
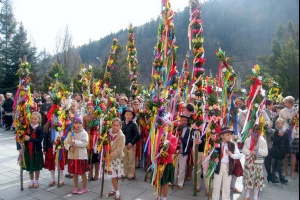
x=172 y=149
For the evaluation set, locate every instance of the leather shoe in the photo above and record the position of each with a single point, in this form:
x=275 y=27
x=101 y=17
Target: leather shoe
x=131 y=178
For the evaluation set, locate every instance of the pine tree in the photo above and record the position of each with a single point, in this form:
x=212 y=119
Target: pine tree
x=283 y=63
x=7 y=30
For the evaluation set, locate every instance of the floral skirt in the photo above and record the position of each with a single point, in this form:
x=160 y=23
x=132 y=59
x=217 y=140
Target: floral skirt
x=50 y=160
x=116 y=168
x=34 y=162
x=253 y=174
x=238 y=169
x=78 y=166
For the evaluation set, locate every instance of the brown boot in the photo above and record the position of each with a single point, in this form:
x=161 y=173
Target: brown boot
x=97 y=165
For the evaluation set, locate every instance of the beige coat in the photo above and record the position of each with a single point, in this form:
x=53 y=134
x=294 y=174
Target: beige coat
x=116 y=149
x=81 y=142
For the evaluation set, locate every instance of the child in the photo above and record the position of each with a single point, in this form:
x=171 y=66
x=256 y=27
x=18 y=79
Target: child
x=117 y=142
x=93 y=156
x=76 y=145
x=255 y=148
x=130 y=130
x=50 y=155
x=281 y=147
x=222 y=175
x=33 y=154
x=168 y=172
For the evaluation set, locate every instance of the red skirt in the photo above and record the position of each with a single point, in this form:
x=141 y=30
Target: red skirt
x=138 y=149
x=50 y=160
x=78 y=166
x=238 y=169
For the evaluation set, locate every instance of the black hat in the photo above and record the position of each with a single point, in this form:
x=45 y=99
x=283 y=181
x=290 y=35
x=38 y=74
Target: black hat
x=226 y=130
x=129 y=110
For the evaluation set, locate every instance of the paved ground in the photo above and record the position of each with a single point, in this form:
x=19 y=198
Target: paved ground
x=130 y=190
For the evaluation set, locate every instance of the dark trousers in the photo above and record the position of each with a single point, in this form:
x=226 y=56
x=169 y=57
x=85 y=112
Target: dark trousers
x=268 y=163
x=8 y=120
x=277 y=166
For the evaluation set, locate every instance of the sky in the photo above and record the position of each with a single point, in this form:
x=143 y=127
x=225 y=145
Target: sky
x=86 y=19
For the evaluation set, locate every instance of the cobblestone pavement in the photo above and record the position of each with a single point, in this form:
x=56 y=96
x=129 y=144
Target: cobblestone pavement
x=130 y=190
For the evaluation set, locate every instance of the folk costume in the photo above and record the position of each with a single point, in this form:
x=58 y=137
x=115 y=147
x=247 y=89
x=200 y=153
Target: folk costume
x=78 y=163
x=222 y=175
x=253 y=167
x=33 y=154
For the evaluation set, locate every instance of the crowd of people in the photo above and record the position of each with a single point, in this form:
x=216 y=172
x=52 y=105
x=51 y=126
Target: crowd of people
x=127 y=137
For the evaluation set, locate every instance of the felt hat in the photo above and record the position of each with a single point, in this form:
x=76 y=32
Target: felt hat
x=226 y=130
x=184 y=115
x=129 y=110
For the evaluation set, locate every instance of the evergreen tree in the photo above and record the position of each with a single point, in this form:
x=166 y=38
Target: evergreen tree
x=283 y=64
x=50 y=78
x=18 y=49
x=120 y=76
x=7 y=30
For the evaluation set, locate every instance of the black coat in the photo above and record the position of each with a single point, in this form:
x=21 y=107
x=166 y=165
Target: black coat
x=281 y=146
x=8 y=105
x=131 y=132
x=37 y=140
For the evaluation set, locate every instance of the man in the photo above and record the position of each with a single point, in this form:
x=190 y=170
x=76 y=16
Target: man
x=130 y=130
x=240 y=102
x=8 y=110
x=189 y=111
x=45 y=109
x=222 y=175
x=269 y=138
x=186 y=142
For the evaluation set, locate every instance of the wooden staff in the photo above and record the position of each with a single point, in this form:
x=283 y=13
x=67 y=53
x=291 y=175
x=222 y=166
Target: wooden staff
x=102 y=178
x=22 y=164
x=21 y=169
x=197 y=136
x=209 y=188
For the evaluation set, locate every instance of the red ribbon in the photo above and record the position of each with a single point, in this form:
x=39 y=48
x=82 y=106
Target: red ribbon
x=220 y=75
x=51 y=111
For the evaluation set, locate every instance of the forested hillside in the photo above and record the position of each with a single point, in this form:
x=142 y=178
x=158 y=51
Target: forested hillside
x=243 y=28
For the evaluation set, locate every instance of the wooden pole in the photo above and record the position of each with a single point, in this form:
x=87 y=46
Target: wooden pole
x=195 y=169
x=209 y=189
x=21 y=163
x=102 y=179
x=21 y=177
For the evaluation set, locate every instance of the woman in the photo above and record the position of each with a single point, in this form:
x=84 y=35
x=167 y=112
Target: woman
x=288 y=114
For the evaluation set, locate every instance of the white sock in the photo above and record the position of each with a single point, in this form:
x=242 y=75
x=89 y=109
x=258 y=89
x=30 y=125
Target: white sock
x=113 y=189
x=248 y=193
x=163 y=198
x=118 y=193
x=256 y=191
x=233 y=181
x=61 y=176
x=52 y=172
x=32 y=181
x=36 y=181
